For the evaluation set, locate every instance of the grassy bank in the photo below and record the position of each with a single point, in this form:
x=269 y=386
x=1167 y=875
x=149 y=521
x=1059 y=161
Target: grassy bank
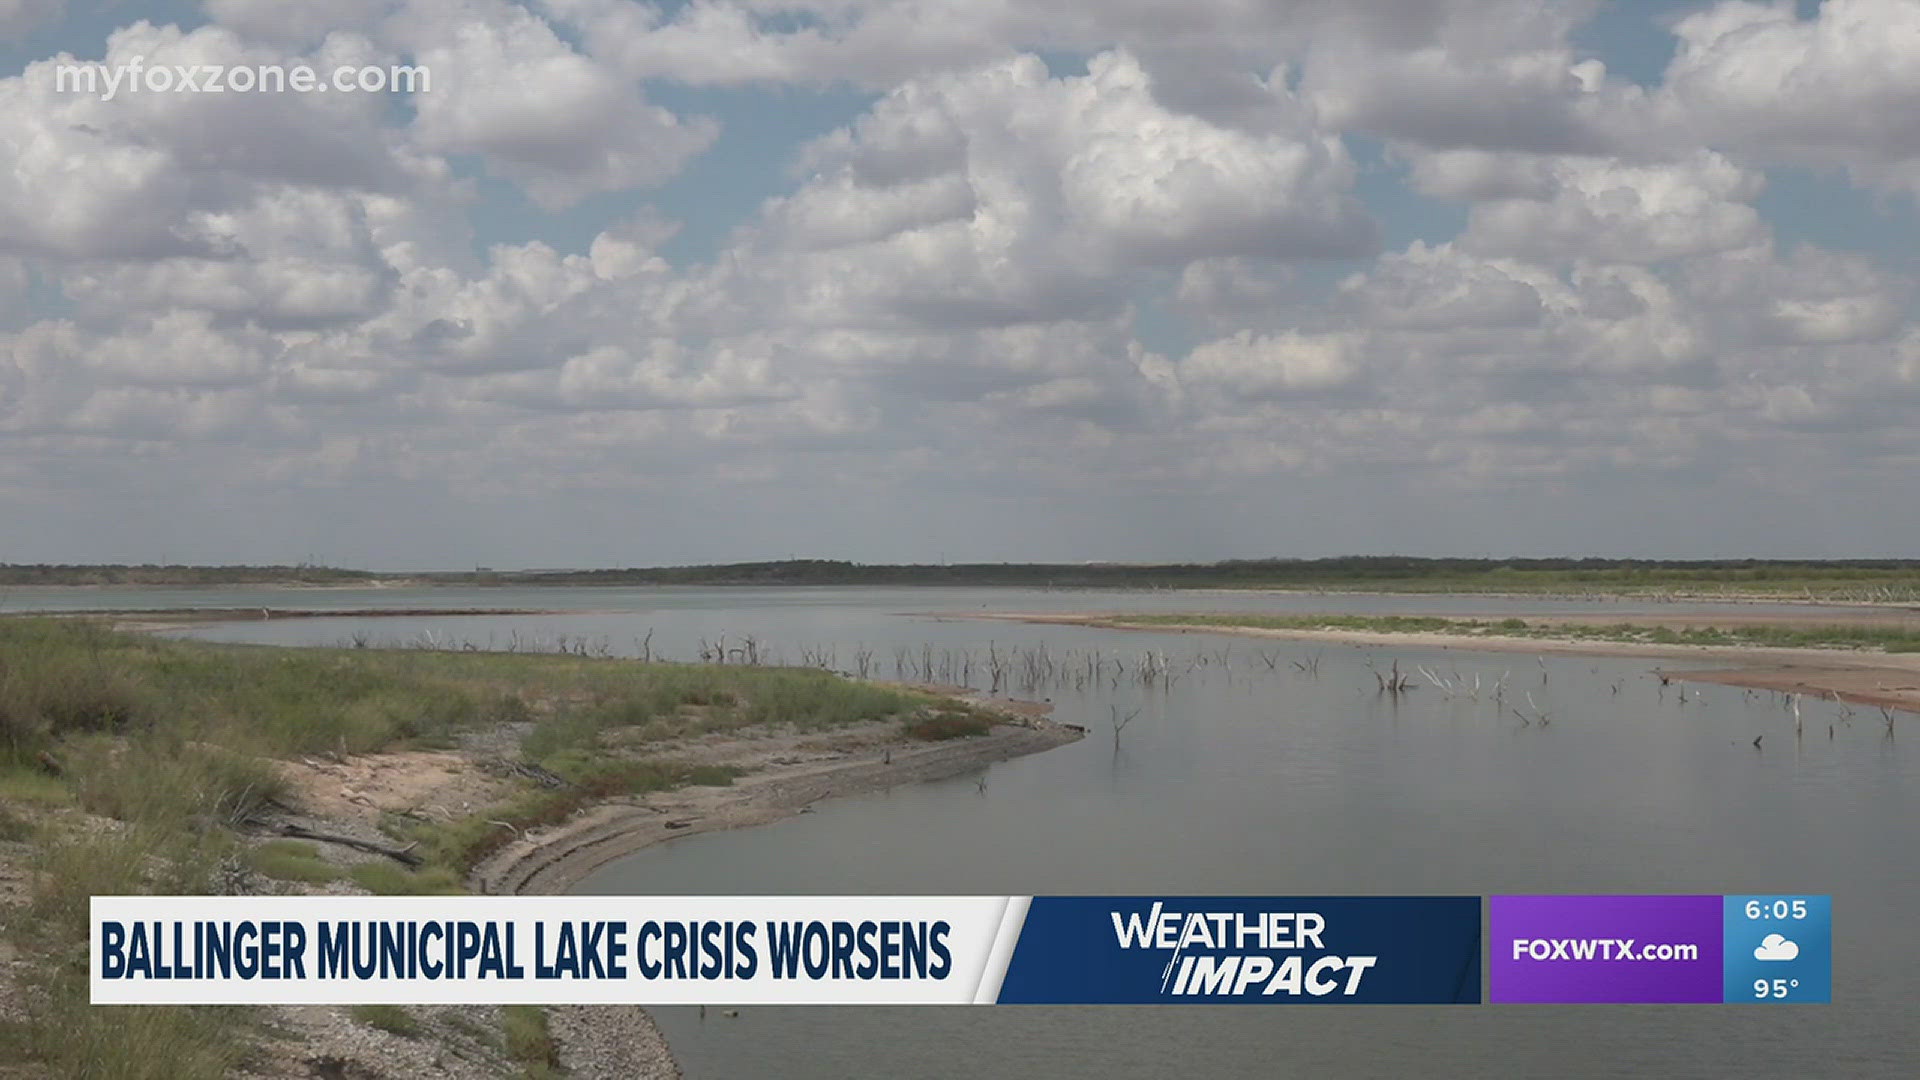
x=134 y=764
x=1885 y=639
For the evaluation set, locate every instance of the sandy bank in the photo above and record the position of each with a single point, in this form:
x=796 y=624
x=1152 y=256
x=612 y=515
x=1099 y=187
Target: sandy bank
x=553 y=860
x=624 y=1041
x=787 y=772
x=147 y=620
x=1862 y=676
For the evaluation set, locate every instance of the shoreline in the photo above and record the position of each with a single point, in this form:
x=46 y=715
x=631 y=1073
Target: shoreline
x=1888 y=680
x=785 y=775
x=144 y=620
x=551 y=861
x=1863 y=598
x=299 y=801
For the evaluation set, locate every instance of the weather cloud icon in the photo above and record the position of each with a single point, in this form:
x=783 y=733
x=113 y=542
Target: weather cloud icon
x=1776 y=947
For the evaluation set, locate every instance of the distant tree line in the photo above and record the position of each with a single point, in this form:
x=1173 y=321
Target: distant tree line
x=1350 y=571
x=175 y=574
x=1341 y=571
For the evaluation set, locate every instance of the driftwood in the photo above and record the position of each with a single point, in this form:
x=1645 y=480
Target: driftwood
x=404 y=856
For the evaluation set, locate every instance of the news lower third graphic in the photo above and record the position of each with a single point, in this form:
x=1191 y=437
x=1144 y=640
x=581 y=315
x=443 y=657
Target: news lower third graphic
x=927 y=950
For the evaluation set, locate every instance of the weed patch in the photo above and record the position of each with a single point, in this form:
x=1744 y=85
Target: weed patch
x=389 y=1018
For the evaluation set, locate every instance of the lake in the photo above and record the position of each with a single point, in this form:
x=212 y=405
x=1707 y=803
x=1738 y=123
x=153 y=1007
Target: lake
x=1255 y=773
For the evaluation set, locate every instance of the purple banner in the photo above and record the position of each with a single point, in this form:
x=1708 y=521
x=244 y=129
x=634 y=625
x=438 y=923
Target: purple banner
x=1605 y=949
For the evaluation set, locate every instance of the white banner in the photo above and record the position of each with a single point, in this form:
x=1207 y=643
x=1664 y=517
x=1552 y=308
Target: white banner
x=454 y=950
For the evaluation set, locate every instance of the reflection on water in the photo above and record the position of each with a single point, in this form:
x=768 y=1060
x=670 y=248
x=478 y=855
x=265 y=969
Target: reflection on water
x=1246 y=773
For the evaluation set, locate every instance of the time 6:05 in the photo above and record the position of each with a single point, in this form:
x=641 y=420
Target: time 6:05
x=1778 y=909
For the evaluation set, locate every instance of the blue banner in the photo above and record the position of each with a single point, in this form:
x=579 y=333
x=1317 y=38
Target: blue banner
x=1140 y=950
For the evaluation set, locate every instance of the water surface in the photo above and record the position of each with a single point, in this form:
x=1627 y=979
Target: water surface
x=1246 y=773
x=1245 y=779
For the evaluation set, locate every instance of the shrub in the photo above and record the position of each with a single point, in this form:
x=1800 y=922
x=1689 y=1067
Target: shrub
x=388 y=879
x=939 y=726
x=13 y=826
x=388 y=1018
x=528 y=1041
x=292 y=860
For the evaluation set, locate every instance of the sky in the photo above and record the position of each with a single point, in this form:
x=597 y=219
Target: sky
x=636 y=283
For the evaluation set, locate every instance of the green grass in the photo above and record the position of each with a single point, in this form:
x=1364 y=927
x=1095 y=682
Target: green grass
x=13 y=826
x=167 y=782
x=71 y=1037
x=389 y=1018
x=465 y=842
x=1888 y=639
x=25 y=785
x=174 y=741
x=392 y=879
x=292 y=860
x=198 y=715
x=947 y=724
x=529 y=1043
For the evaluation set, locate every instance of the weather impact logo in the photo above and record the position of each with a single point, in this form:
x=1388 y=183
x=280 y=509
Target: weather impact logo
x=1242 y=953
x=1247 y=950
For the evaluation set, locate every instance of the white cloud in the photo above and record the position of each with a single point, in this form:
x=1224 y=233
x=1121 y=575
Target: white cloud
x=1274 y=365
x=17 y=17
x=880 y=43
x=143 y=175
x=1003 y=196
x=1806 y=297
x=1605 y=210
x=298 y=26
x=559 y=123
x=1776 y=947
x=665 y=376
x=1155 y=278
x=293 y=255
x=1541 y=100
x=1442 y=288
x=1842 y=87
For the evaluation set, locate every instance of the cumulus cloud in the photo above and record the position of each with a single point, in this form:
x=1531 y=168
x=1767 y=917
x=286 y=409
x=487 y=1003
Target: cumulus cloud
x=1542 y=100
x=1604 y=209
x=1806 y=296
x=1441 y=288
x=297 y=26
x=292 y=255
x=1004 y=195
x=508 y=88
x=1841 y=87
x=139 y=175
x=17 y=17
x=1274 y=365
x=1134 y=247
x=880 y=43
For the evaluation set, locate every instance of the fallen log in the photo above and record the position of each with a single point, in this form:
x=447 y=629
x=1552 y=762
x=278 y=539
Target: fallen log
x=404 y=856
